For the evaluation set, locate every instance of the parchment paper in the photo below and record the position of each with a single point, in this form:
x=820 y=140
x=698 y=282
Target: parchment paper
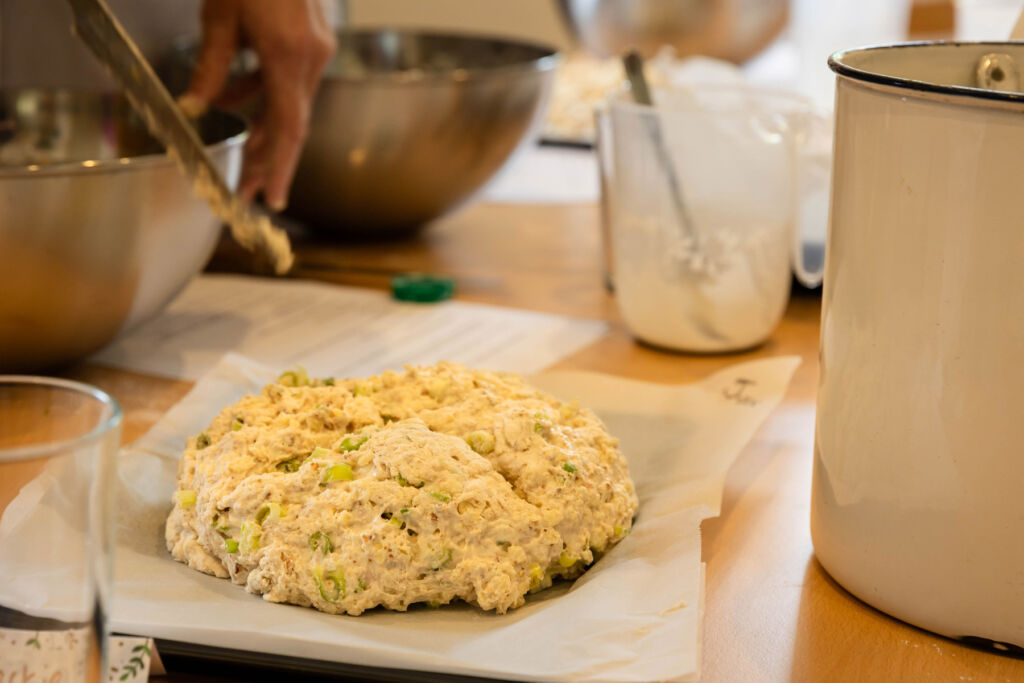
x=634 y=616
x=338 y=331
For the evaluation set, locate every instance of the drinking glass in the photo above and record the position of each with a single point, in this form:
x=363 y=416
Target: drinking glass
x=57 y=443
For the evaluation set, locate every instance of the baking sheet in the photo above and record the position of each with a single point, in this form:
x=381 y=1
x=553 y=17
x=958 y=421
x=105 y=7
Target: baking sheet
x=634 y=616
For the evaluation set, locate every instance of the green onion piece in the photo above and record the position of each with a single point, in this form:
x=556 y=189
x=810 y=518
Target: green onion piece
x=339 y=472
x=361 y=389
x=536 y=576
x=318 y=452
x=231 y=545
x=566 y=560
x=202 y=441
x=328 y=381
x=441 y=496
x=353 y=442
x=321 y=541
x=569 y=467
x=504 y=543
x=331 y=585
x=236 y=425
x=617 y=530
x=403 y=511
x=289 y=465
x=362 y=585
x=251 y=536
x=294 y=378
x=442 y=560
x=541 y=422
x=402 y=481
x=185 y=498
x=269 y=511
x=396 y=521
x=481 y=442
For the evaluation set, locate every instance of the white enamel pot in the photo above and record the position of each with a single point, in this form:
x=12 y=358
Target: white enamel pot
x=918 y=494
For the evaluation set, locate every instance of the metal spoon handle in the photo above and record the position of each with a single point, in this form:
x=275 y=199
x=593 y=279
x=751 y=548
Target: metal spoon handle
x=633 y=64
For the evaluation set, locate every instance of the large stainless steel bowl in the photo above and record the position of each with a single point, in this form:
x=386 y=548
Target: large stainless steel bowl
x=610 y=28
x=98 y=229
x=727 y=29
x=408 y=125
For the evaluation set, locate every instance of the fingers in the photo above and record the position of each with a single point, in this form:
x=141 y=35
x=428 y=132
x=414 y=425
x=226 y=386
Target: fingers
x=240 y=91
x=294 y=44
x=288 y=103
x=254 y=169
x=220 y=40
x=292 y=68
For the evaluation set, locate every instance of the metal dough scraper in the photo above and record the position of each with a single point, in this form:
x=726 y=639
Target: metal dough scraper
x=104 y=35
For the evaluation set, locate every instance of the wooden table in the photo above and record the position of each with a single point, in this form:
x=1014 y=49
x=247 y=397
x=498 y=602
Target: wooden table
x=772 y=613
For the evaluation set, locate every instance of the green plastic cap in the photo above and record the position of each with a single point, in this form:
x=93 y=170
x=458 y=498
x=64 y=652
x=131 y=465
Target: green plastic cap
x=422 y=288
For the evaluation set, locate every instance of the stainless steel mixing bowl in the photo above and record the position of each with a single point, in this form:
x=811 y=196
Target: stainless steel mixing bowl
x=98 y=229
x=407 y=125
x=727 y=29
x=610 y=28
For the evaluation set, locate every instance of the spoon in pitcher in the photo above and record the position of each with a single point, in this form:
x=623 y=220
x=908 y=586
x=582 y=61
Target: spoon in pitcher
x=696 y=263
x=693 y=256
x=633 y=64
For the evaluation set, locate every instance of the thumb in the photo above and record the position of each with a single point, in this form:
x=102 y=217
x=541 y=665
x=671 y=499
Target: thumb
x=220 y=40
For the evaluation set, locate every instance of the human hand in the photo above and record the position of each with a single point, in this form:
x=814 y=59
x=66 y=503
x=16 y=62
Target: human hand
x=294 y=43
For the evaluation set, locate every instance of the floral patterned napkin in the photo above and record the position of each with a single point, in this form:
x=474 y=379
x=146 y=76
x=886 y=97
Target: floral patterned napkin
x=63 y=656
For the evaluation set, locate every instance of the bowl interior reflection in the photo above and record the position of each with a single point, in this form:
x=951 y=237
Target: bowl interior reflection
x=53 y=129
x=401 y=54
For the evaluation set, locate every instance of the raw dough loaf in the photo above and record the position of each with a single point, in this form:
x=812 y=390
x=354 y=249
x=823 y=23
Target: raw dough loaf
x=424 y=486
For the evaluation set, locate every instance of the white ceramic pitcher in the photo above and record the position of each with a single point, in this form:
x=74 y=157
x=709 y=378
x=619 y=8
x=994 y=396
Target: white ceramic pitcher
x=918 y=498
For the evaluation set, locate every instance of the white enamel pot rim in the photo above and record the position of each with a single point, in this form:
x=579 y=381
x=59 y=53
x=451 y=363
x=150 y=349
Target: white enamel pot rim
x=855 y=63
